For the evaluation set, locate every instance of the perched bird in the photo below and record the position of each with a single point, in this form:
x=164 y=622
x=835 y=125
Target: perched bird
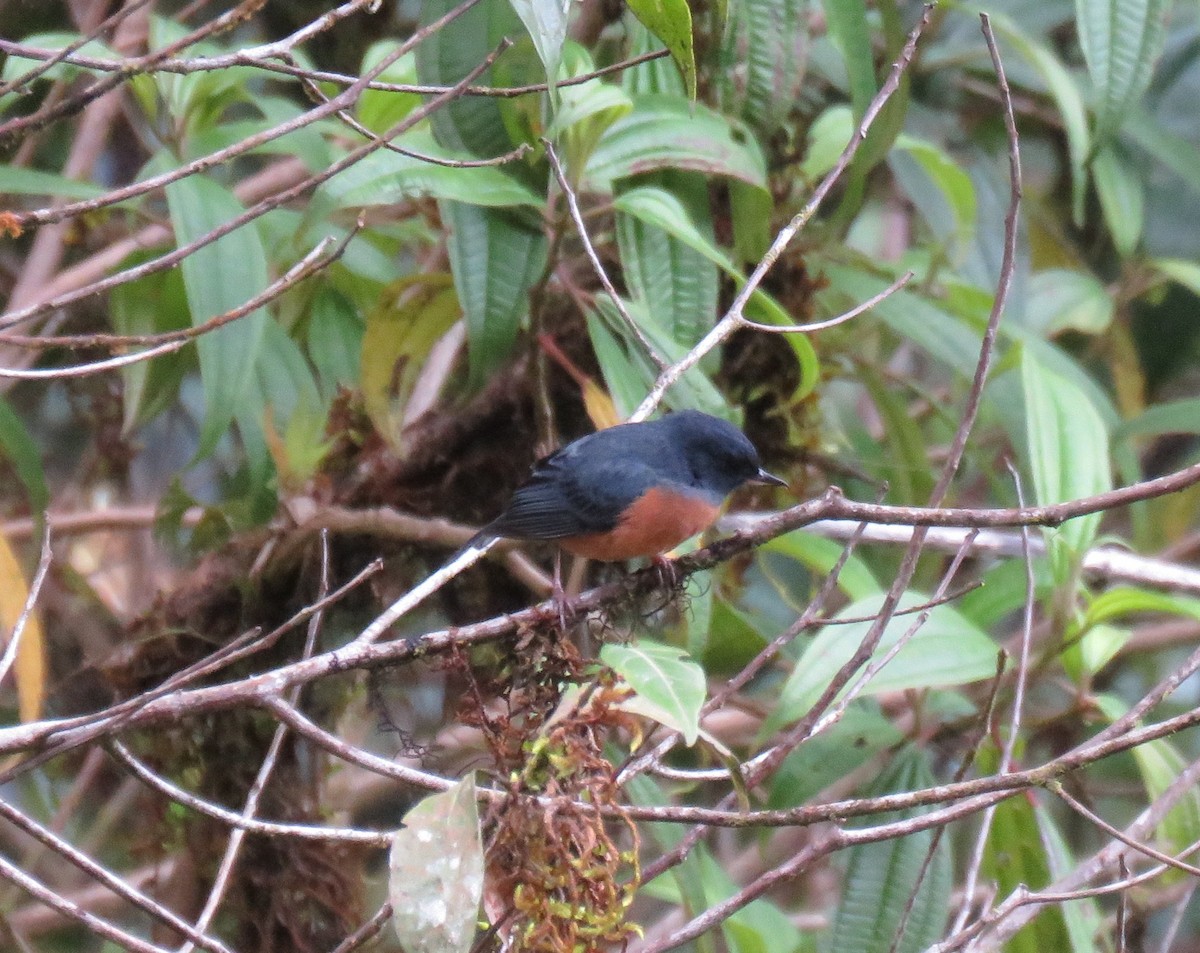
x=634 y=490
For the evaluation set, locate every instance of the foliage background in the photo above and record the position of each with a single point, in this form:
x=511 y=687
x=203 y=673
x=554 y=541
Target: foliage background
x=380 y=342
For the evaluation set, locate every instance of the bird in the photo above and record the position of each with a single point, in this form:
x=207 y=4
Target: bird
x=636 y=490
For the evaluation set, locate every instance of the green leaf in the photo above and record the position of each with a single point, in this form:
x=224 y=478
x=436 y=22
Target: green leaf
x=660 y=208
x=218 y=278
x=495 y=257
x=1122 y=200
x=385 y=178
x=1082 y=917
x=585 y=111
x=1121 y=41
x=15 y=66
x=15 y=180
x=848 y=28
x=379 y=111
x=626 y=377
x=435 y=879
x=761 y=64
x=946 y=650
x=1175 y=152
x=910 y=315
x=1178 y=416
x=906 y=457
x=861 y=734
x=1061 y=86
x=951 y=182
x=671 y=22
x=1063 y=299
x=546 y=21
x=153 y=304
x=882 y=878
x=820 y=554
x=1186 y=273
x=1015 y=855
x=18 y=448
x=335 y=335
x=1068 y=455
x=470 y=124
x=1121 y=601
x=1161 y=764
x=665 y=132
x=695 y=389
x=663 y=253
x=670 y=687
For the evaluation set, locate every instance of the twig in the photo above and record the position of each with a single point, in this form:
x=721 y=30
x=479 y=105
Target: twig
x=255 y=211
x=116 y=884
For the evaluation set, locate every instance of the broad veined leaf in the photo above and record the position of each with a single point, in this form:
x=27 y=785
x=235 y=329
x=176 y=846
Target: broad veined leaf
x=1082 y=918
x=1063 y=299
x=626 y=375
x=412 y=315
x=669 y=686
x=385 y=178
x=1121 y=41
x=585 y=111
x=293 y=411
x=495 y=258
x=861 y=734
x=850 y=33
x=153 y=304
x=1187 y=273
x=1178 y=416
x=895 y=882
x=435 y=879
x=218 y=278
x=546 y=21
x=695 y=389
x=1016 y=855
x=29 y=665
x=762 y=59
x=1121 y=601
x=671 y=22
x=946 y=650
x=15 y=180
x=1175 y=152
x=821 y=554
x=471 y=124
x=951 y=184
x=335 y=334
x=15 y=66
x=665 y=132
x=379 y=110
x=1067 y=455
x=1122 y=199
x=675 y=280
x=660 y=208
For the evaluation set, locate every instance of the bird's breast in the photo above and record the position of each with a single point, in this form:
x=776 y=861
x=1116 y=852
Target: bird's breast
x=658 y=520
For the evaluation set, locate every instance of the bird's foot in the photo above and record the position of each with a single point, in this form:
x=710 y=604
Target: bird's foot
x=668 y=573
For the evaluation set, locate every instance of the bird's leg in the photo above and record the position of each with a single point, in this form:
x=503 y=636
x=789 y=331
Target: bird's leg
x=560 y=595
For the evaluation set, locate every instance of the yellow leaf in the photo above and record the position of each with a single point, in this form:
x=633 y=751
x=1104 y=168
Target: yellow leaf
x=412 y=316
x=29 y=668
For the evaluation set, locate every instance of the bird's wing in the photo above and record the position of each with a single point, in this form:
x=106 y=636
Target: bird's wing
x=561 y=499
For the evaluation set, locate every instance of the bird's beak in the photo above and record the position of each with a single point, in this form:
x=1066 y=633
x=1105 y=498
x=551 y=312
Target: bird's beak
x=762 y=476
